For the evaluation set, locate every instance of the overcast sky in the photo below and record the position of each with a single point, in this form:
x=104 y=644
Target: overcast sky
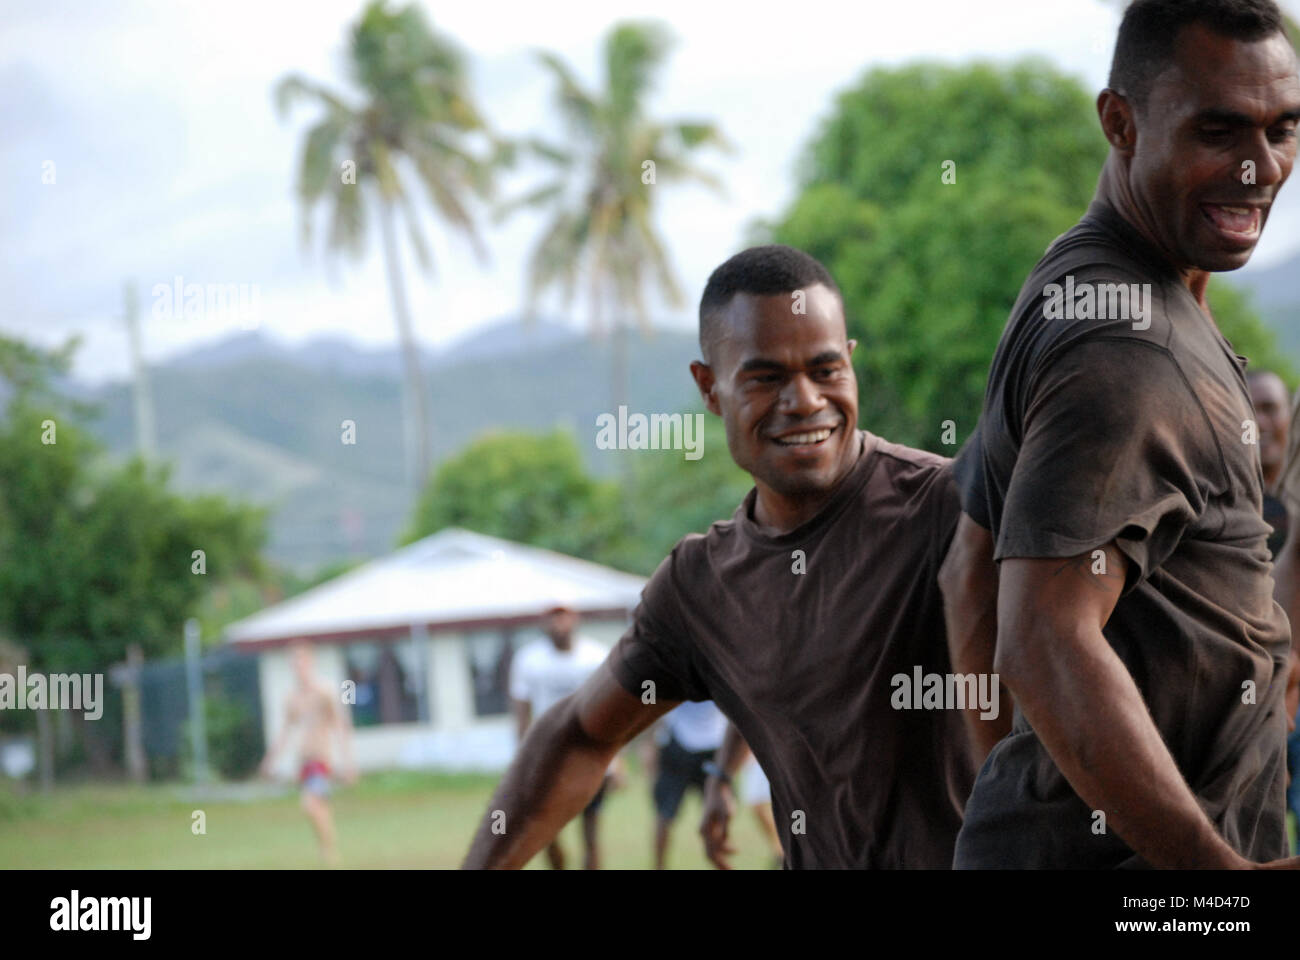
x=169 y=159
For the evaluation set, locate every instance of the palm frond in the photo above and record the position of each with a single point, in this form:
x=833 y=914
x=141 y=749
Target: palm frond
x=348 y=224
x=448 y=204
x=633 y=53
x=294 y=88
x=540 y=197
x=576 y=105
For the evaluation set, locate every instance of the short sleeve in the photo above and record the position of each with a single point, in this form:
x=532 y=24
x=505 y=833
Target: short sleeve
x=521 y=676
x=1115 y=447
x=656 y=647
x=968 y=474
x=1288 y=487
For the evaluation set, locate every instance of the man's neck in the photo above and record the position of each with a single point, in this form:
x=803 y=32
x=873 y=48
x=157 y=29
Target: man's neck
x=1114 y=190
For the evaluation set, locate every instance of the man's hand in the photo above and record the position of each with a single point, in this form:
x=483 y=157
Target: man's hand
x=719 y=808
x=617 y=774
x=558 y=769
x=350 y=775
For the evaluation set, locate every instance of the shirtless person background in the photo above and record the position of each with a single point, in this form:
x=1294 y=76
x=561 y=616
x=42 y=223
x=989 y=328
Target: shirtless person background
x=318 y=711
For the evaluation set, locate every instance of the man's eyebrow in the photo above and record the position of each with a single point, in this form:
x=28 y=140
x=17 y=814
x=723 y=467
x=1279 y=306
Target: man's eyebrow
x=825 y=357
x=1232 y=118
x=759 y=363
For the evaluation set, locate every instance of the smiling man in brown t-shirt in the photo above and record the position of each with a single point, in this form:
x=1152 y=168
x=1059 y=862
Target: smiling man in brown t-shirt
x=813 y=617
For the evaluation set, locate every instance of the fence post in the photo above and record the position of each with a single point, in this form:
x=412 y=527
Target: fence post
x=194 y=688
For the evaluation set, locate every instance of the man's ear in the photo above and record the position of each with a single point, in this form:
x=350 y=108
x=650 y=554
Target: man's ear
x=1117 y=121
x=707 y=384
x=852 y=345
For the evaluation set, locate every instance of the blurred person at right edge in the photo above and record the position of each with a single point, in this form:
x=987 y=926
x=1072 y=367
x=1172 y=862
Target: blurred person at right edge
x=1272 y=403
x=1286 y=576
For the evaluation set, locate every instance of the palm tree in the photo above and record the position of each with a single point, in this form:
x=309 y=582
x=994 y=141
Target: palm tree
x=415 y=114
x=601 y=199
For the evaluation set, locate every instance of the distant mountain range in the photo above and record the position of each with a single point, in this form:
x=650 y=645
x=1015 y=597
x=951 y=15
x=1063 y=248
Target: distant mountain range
x=261 y=421
x=1277 y=286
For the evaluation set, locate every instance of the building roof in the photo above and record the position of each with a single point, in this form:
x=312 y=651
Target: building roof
x=452 y=578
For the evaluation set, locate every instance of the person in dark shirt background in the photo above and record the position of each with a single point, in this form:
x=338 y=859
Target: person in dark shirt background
x=1273 y=416
x=1287 y=591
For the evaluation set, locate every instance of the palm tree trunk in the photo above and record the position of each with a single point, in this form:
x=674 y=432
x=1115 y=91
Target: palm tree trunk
x=618 y=366
x=619 y=391
x=419 y=457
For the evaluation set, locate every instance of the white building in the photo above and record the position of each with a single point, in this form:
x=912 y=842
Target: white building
x=426 y=634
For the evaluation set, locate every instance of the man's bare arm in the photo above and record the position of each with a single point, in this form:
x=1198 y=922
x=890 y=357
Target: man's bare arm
x=969 y=581
x=343 y=729
x=720 y=799
x=558 y=769
x=733 y=752
x=523 y=717
x=282 y=738
x=1087 y=710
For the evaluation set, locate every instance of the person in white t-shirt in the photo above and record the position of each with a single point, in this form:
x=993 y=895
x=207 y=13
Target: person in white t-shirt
x=688 y=737
x=542 y=674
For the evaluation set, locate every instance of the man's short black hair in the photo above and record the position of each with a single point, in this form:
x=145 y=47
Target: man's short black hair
x=1145 y=46
x=758 y=271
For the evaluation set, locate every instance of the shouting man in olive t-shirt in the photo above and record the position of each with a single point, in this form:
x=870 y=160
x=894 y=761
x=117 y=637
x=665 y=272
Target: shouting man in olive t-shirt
x=1114 y=477
x=812 y=618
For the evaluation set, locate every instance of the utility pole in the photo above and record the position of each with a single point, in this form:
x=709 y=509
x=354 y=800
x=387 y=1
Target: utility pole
x=144 y=425
x=194 y=693
x=132 y=714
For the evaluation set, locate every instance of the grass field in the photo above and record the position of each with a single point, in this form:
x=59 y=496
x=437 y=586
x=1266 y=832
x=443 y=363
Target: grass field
x=388 y=820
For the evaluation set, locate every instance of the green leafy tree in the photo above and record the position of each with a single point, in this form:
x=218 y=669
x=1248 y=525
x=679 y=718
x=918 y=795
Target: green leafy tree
x=671 y=496
x=94 y=555
x=534 y=489
x=608 y=172
x=416 y=118
x=1236 y=317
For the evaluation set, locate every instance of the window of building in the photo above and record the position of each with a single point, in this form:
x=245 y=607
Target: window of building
x=387 y=676
x=490 y=653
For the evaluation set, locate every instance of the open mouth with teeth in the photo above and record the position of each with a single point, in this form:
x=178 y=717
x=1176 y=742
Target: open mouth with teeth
x=1239 y=224
x=811 y=438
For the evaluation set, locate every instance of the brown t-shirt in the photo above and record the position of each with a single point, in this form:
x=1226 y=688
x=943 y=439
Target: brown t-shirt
x=1094 y=431
x=804 y=663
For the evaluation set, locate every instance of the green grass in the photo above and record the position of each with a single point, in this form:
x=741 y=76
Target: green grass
x=389 y=820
